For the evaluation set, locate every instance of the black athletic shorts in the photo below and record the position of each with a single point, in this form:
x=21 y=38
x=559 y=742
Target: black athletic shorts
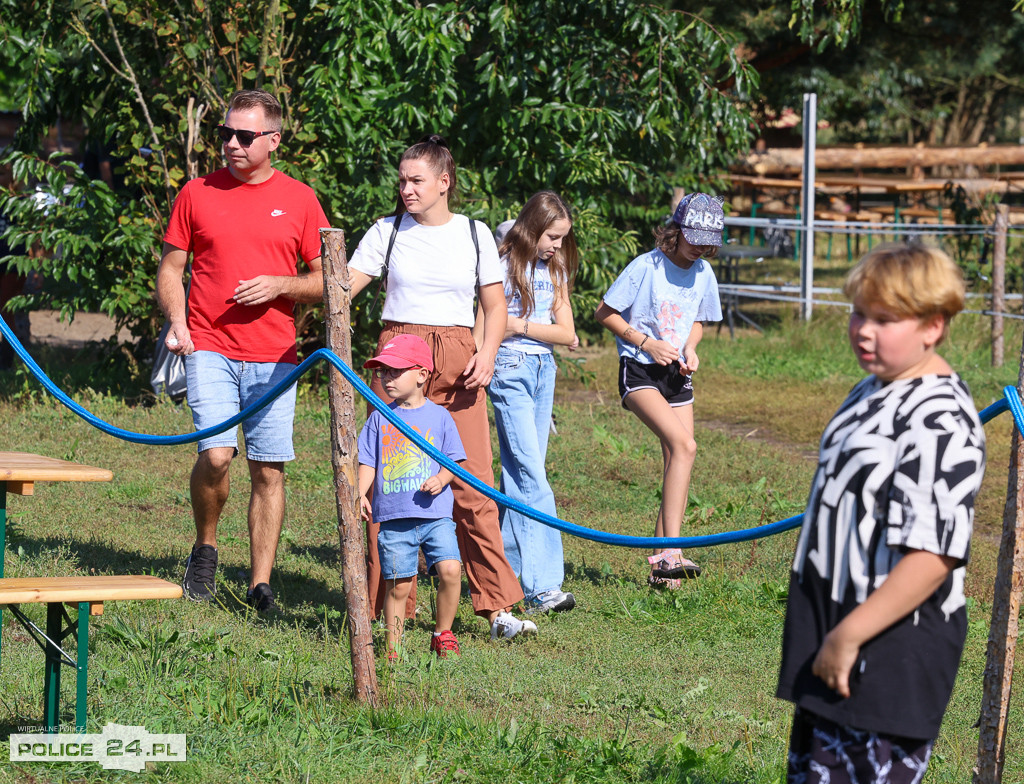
x=674 y=386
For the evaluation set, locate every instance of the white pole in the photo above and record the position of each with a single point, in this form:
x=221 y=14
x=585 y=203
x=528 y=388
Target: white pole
x=807 y=205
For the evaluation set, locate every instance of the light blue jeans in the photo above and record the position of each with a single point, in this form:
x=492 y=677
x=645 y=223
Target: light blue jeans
x=522 y=391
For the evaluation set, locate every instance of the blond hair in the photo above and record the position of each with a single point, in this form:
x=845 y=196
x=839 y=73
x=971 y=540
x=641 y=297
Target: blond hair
x=909 y=281
x=520 y=245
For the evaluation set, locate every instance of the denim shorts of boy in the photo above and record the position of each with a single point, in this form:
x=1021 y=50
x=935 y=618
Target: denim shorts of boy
x=218 y=388
x=399 y=542
x=675 y=387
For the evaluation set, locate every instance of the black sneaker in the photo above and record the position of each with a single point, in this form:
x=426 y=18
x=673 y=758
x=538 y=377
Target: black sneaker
x=200 y=569
x=261 y=599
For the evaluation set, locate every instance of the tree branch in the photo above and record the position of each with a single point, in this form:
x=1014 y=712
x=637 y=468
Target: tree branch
x=270 y=31
x=80 y=27
x=129 y=74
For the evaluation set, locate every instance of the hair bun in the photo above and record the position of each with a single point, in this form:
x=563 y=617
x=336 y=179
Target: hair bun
x=434 y=138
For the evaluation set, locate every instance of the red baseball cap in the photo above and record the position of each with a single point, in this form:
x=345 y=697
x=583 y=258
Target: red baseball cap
x=403 y=351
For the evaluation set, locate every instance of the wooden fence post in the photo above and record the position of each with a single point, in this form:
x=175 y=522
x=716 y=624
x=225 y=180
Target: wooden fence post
x=1003 y=631
x=999 y=282
x=345 y=457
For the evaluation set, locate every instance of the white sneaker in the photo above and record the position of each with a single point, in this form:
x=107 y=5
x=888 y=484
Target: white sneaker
x=550 y=601
x=506 y=626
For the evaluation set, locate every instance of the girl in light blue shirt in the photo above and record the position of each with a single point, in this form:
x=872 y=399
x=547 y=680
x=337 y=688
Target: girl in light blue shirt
x=656 y=309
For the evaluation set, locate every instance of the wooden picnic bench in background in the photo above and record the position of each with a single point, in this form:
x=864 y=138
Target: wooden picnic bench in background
x=19 y=471
x=88 y=593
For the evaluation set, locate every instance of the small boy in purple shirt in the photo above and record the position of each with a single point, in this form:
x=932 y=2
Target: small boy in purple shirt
x=411 y=498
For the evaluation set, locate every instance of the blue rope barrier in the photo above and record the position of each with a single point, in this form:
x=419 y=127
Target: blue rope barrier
x=1011 y=401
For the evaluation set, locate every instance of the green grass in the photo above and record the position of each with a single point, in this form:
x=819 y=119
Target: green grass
x=630 y=686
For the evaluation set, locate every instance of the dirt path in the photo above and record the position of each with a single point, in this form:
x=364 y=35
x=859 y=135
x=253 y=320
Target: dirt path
x=758 y=434
x=48 y=328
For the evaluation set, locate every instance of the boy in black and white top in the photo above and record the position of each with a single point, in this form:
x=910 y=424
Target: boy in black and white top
x=876 y=619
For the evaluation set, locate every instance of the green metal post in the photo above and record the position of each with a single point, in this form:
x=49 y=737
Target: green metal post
x=753 y=214
x=798 y=234
x=51 y=676
x=849 y=247
x=83 y=666
x=3 y=543
x=3 y=525
x=896 y=221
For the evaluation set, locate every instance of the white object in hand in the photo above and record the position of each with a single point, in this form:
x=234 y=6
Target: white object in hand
x=172 y=341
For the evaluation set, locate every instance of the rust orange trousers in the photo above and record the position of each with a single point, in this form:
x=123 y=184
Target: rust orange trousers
x=492 y=583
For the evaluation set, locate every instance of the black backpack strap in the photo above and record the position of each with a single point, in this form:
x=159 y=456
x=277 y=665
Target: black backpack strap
x=387 y=257
x=476 y=244
x=391 y=244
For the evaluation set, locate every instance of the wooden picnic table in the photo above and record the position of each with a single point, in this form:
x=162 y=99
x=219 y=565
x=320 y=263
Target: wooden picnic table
x=87 y=594
x=728 y=259
x=19 y=471
x=877 y=184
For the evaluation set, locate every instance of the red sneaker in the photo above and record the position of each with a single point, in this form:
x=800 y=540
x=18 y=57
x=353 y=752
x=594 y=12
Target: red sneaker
x=444 y=643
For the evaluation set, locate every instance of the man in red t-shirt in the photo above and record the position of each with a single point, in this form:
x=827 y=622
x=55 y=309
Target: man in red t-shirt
x=246 y=226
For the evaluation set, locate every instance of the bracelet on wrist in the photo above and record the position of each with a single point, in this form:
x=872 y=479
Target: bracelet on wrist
x=641 y=346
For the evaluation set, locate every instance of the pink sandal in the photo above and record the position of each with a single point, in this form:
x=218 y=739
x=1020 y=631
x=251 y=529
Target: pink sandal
x=670 y=564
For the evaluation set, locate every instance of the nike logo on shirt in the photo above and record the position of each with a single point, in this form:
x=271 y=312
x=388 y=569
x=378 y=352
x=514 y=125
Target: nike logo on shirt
x=276 y=213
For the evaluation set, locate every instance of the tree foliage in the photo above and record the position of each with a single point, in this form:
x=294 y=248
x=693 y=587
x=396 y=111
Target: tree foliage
x=944 y=73
x=837 y=22
x=597 y=99
x=933 y=71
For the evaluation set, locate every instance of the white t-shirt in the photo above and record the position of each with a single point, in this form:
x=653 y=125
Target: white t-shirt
x=433 y=273
x=543 y=301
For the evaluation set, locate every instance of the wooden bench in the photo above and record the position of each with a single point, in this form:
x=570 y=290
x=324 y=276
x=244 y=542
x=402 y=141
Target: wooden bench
x=89 y=594
x=897 y=214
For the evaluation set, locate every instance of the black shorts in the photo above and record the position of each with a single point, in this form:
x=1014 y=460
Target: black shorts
x=674 y=386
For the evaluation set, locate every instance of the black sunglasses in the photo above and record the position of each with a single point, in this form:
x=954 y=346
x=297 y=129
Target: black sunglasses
x=245 y=138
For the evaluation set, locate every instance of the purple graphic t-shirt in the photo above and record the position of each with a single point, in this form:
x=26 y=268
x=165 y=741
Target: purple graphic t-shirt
x=402 y=467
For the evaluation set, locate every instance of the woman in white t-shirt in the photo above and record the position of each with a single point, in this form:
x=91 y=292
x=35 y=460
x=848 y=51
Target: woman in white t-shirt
x=434 y=263
x=540 y=260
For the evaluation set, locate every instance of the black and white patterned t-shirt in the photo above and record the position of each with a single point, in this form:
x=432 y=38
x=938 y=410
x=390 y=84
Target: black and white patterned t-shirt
x=898 y=469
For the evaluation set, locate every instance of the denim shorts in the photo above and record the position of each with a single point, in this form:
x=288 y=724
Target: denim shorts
x=399 y=541
x=675 y=387
x=218 y=388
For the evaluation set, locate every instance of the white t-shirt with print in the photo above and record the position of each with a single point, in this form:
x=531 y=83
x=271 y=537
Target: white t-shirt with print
x=899 y=467
x=543 y=302
x=433 y=273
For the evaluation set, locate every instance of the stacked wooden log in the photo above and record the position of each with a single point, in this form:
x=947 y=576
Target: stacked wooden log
x=789 y=161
